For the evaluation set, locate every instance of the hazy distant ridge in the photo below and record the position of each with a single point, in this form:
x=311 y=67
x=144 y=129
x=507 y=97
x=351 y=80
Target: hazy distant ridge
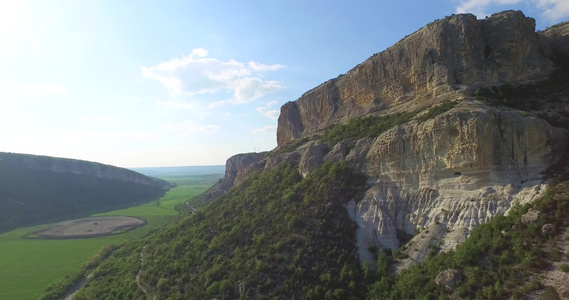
x=35 y=188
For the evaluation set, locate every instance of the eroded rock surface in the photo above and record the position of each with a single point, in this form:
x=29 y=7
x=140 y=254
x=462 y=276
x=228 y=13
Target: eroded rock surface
x=438 y=61
x=436 y=179
x=449 y=278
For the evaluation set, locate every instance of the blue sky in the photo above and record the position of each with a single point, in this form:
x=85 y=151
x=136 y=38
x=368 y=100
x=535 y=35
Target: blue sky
x=178 y=83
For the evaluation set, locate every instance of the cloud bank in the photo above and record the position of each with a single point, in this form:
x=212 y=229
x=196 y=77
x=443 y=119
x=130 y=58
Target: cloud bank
x=197 y=74
x=189 y=128
x=267 y=111
x=264 y=130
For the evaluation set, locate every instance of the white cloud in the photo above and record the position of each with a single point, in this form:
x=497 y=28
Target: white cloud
x=198 y=74
x=478 y=7
x=552 y=10
x=271 y=103
x=175 y=105
x=220 y=103
x=266 y=129
x=102 y=121
x=189 y=128
x=252 y=88
x=271 y=113
x=38 y=90
x=262 y=67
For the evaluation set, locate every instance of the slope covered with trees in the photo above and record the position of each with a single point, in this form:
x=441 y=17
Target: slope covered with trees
x=278 y=236
x=37 y=188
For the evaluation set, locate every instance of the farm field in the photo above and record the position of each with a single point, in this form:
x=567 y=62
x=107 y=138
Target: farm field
x=28 y=265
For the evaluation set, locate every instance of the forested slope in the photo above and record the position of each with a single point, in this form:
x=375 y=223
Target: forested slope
x=36 y=188
x=276 y=237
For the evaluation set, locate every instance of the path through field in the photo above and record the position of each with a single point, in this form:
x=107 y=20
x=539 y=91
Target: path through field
x=77 y=287
x=140 y=286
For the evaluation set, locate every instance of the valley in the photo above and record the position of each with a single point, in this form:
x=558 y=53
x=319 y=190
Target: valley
x=435 y=169
x=419 y=163
x=29 y=265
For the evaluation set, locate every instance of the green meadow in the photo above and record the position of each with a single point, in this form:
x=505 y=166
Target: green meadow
x=28 y=265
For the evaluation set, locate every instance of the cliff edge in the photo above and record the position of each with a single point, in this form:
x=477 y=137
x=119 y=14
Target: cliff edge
x=443 y=60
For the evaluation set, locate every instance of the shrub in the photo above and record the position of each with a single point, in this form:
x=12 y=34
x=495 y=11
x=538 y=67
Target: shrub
x=436 y=110
x=550 y=294
x=365 y=127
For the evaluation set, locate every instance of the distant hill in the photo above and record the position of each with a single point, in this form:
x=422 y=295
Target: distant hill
x=178 y=171
x=35 y=188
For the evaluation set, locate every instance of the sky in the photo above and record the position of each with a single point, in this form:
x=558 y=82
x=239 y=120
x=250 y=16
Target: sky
x=183 y=83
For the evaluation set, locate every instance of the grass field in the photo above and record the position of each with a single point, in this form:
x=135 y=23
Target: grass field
x=27 y=266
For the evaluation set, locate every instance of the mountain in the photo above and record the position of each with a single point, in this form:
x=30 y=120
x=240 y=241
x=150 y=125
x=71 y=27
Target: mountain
x=420 y=148
x=445 y=60
x=37 y=188
x=467 y=113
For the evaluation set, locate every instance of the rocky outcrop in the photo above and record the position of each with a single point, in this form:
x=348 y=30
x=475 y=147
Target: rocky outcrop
x=449 y=278
x=440 y=178
x=439 y=61
x=558 y=37
x=238 y=168
x=436 y=179
x=530 y=217
x=459 y=169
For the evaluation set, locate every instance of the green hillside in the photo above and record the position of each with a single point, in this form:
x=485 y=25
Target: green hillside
x=277 y=237
x=283 y=237
x=38 y=188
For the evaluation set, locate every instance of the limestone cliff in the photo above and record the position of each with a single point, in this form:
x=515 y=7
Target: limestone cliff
x=557 y=37
x=439 y=61
x=237 y=169
x=439 y=177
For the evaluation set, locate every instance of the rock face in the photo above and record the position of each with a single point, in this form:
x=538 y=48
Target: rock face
x=450 y=174
x=530 y=217
x=558 y=37
x=449 y=278
x=238 y=168
x=438 y=61
x=436 y=179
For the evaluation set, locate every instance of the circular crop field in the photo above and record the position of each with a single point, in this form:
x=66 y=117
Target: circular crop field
x=91 y=227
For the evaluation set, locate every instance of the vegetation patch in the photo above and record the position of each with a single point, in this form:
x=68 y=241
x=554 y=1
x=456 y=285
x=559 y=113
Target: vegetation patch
x=32 y=193
x=290 y=146
x=497 y=259
x=436 y=110
x=29 y=265
x=59 y=288
x=366 y=127
x=372 y=126
x=557 y=25
x=530 y=96
x=277 y=236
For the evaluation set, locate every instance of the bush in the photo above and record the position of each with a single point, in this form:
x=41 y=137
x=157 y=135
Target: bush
x=436 y=110
x=366 y=127
x=550 y=294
